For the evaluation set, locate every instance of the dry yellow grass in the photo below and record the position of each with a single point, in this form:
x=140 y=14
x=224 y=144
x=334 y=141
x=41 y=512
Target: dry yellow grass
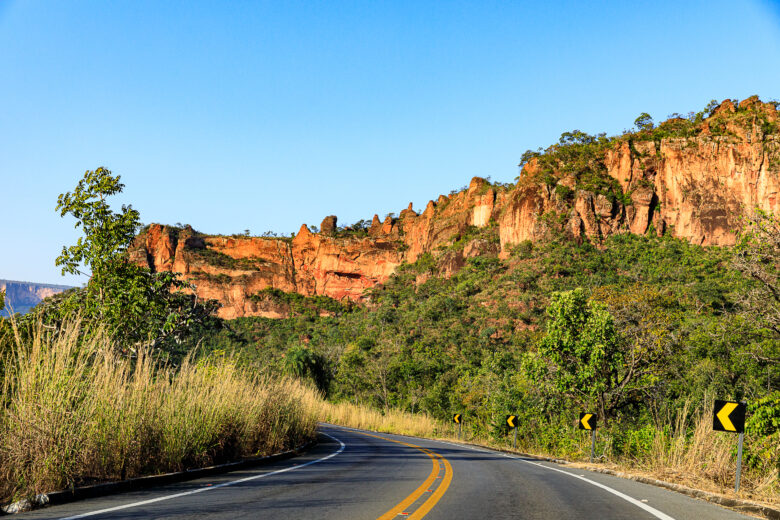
x=696 y=456
x=367 y=418
x=74 y=412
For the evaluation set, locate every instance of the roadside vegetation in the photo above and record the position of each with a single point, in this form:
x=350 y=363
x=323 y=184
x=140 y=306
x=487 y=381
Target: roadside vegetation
x=104 y=382
x=75 y=411
x=132 y=374
x=387 y=421
x=645 y=331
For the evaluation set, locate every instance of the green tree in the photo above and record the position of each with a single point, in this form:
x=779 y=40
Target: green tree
x=580 y=355
x=106 y=234
x=710 y=108
x=644 y=122
x=758 y=258
x=304 y=363
x=138 y=307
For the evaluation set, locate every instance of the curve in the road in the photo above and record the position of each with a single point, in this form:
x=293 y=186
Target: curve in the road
x=653 y=511
x=410 y=507
x=405 y=506
x=210 y=488
x=365 y=475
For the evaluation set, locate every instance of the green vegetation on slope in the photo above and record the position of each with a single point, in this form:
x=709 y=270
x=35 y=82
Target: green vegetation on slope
x=579 y=156
x=644 y=330
x=671 y=330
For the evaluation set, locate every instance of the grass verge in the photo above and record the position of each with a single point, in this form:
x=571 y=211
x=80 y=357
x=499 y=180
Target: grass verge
x=73 y=412
x=367 y=418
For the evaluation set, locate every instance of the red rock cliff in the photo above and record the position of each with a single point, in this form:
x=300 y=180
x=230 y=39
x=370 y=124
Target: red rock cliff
x=697 y=188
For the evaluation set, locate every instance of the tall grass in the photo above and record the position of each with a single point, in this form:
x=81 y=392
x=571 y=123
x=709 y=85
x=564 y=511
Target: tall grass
x=691 y=453
x=74 y=412
x=391 y=421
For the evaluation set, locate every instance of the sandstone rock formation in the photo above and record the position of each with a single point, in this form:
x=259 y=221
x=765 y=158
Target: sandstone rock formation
x=328 y=225
x=696 y=188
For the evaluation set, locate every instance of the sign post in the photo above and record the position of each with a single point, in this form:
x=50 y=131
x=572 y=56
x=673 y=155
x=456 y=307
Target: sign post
x=456 y=418
x=588 y=422
x=511 y=421
x=739 y=461
x=729 y=416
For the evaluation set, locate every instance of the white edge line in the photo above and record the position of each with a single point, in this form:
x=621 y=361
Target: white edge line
x=653 y=511
x=201 y=490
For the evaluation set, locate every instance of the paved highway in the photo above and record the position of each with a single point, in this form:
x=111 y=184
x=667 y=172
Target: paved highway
x=359 y=475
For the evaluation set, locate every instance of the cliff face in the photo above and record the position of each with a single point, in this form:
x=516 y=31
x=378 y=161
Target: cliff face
x=233 y=269
x=696 y=187
x=704 y=185
x=22 y=296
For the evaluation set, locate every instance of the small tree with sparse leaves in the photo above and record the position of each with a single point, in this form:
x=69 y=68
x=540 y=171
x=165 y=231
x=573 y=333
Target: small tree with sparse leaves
x=137 y=307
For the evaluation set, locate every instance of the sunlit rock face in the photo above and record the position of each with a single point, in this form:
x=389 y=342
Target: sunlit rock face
x=696 y=188
x=20 y=297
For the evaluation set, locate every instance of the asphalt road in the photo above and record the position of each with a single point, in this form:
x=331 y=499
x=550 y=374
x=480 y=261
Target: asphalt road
x=357 y=475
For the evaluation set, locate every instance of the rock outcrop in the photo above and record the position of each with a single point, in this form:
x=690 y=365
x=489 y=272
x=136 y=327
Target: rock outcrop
x=697 y=188
x=22 y=296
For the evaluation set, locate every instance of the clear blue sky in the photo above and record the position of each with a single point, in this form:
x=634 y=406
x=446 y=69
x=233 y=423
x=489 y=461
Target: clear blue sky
x=266 y=115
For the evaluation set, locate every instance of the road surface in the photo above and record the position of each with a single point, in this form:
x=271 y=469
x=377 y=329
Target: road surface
x=360 y=475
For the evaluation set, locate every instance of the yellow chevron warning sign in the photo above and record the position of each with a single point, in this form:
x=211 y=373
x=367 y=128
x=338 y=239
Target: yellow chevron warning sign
x=587 y=421
x=456 y=418
x=511 y=421
x=728 y=416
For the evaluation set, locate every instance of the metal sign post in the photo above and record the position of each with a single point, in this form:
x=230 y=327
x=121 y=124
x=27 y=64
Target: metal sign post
x=511 y=421
x=459 y=426
x=588 y=421
x=729 y=416
x=739 y=461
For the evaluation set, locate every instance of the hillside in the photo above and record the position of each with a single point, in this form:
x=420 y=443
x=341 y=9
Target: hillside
x=23 y=296
x=693 y=178
x=634 y=277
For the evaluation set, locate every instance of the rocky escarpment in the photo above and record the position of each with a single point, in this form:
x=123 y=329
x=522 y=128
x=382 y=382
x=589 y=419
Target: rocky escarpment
x=22 y=296
x=692 y=179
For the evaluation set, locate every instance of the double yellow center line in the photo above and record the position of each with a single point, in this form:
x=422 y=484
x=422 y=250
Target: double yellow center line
x=439 y=463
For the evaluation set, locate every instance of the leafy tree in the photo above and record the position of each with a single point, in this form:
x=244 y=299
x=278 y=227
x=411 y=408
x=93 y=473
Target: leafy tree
x=584 y=358
x=648 y=320
x=106 y=234
x=304 y=363
x=758 y=257
x=710 y=108
x=644 y=122
x=578 y=137
x=580 y=354
x=138 y=307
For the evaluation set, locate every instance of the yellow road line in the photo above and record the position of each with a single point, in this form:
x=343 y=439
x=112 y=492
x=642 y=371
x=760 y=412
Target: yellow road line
x=436 y=496
x=426 y=506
